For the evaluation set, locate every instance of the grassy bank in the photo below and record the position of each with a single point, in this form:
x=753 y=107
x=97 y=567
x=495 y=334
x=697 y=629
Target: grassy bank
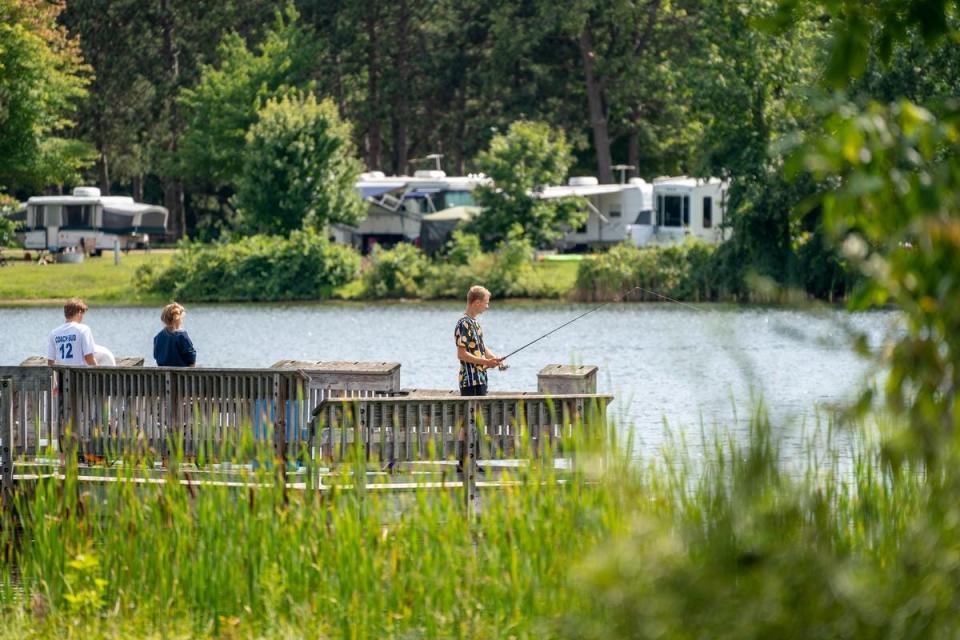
x=97 y=280
x=729 y=545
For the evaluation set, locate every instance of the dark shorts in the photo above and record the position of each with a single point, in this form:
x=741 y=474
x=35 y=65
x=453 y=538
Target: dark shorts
x=476 y=390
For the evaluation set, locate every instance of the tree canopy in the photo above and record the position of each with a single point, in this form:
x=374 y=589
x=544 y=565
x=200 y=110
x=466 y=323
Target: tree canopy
x=42 y=76
x=521 y=162
x=299 y=168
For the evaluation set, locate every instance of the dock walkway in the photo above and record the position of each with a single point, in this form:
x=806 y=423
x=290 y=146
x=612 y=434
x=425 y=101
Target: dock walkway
x=316 y=415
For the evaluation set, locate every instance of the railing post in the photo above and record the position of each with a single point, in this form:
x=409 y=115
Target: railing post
x=470 y=459
x=6 y=442
x=71 y=413
x=280 y=423
x=167 y=435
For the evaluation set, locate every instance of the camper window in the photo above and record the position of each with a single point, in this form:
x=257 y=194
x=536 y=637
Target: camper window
x=78 y=216
x=458 y=199
x=676 y=211
x=643 y=217
x=707 y=212
x=614 y=213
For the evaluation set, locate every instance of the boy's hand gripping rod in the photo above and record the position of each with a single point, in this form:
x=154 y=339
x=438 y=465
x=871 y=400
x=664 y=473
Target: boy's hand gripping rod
x=619 y=298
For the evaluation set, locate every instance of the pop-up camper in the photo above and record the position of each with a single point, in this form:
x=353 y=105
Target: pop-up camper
x=59 y=222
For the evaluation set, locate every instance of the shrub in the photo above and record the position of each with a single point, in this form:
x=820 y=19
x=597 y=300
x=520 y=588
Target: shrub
x=396 y=273
x=509 y=272
x=683 y=271
x=299 y=168
x=304 y=266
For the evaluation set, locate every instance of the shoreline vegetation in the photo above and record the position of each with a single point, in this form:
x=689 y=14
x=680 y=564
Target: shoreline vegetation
x=732 y=542
x=305 y=268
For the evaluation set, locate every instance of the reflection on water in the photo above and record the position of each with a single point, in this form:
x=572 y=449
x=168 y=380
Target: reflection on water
x=665 y=363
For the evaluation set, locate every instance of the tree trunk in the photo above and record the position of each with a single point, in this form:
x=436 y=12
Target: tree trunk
x=398 y=116
x=172 y=185
x=596 y=102
x=103 y=171
x=136 y=185
x=373 y=88
x=173 y=201
x=633 y=144
x=458 y=142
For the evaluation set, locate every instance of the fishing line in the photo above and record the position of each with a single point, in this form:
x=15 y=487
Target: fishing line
x=619 y=298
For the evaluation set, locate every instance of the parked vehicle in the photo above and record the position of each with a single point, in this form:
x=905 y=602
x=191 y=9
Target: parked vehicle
x=88 y=221
x=612 y=208
x=397 y=205
x=684 y=207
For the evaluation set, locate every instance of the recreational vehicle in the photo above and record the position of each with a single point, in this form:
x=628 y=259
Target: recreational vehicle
x=611 y=208
x=397 y=204
x=683 y=207
x=88 y=220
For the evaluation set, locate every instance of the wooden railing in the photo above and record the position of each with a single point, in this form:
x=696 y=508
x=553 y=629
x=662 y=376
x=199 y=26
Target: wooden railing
x=432 y=426
x=33 y=408
x=324 y=411
x=117 y=410
x=6 y=439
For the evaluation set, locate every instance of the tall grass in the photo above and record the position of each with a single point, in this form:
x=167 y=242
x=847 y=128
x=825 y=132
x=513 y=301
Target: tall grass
x=847 y=545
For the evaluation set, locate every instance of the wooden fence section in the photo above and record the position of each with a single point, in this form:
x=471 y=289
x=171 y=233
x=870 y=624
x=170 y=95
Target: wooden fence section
x=351 y=379
x=431 y=426
x=34 y=407
x=116 y=410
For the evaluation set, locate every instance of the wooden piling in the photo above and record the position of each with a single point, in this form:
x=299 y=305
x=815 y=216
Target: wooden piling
x=6 y=441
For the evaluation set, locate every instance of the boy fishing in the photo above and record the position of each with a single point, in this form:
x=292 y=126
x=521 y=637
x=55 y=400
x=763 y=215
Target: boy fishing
x=475 y=358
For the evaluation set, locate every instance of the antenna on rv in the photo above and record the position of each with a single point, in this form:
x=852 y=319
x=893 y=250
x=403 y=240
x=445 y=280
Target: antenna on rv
x=435 y=157
x=623 y=168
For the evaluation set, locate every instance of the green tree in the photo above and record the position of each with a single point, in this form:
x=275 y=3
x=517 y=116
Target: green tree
x=750 y=98
x=299 y=168
x=41 y=78
x=220 y=109
x=521 y=163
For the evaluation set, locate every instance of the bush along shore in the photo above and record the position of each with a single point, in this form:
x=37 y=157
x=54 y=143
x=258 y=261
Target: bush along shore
x=731 y=542
x=307 y=267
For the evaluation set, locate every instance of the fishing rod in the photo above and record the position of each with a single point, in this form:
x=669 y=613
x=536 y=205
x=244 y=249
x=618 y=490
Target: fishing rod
x=619 y=298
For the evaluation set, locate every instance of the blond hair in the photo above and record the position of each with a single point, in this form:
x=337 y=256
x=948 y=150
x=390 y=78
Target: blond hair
x=74 y=306
x=476 y=292
x=172 y=314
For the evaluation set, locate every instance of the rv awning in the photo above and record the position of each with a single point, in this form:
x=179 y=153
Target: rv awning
x=374 y=190
x=551 y=193
x=453 y=213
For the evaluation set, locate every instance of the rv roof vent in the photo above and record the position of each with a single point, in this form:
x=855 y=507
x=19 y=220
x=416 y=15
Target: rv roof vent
x=583 y=181
x=433 y=174
x=86 y=192
x=640 y=182
x=372 y=175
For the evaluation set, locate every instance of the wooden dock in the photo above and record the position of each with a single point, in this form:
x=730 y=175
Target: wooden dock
x=316 y=415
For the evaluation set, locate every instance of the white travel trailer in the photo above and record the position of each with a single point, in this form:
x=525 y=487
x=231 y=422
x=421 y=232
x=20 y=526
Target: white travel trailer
x=684 y=207
x=397 y=204
x=612 y=209
x=90 y=220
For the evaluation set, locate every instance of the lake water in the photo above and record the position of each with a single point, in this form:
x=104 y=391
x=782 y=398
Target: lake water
x=666 y=364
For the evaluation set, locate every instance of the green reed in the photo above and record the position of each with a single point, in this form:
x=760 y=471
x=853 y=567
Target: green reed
x=734 y=545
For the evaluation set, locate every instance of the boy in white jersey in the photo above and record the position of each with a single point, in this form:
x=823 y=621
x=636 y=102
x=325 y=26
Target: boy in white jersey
x=72 y=343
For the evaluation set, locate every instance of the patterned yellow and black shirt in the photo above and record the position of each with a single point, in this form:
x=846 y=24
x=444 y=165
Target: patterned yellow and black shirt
x=469 y=335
